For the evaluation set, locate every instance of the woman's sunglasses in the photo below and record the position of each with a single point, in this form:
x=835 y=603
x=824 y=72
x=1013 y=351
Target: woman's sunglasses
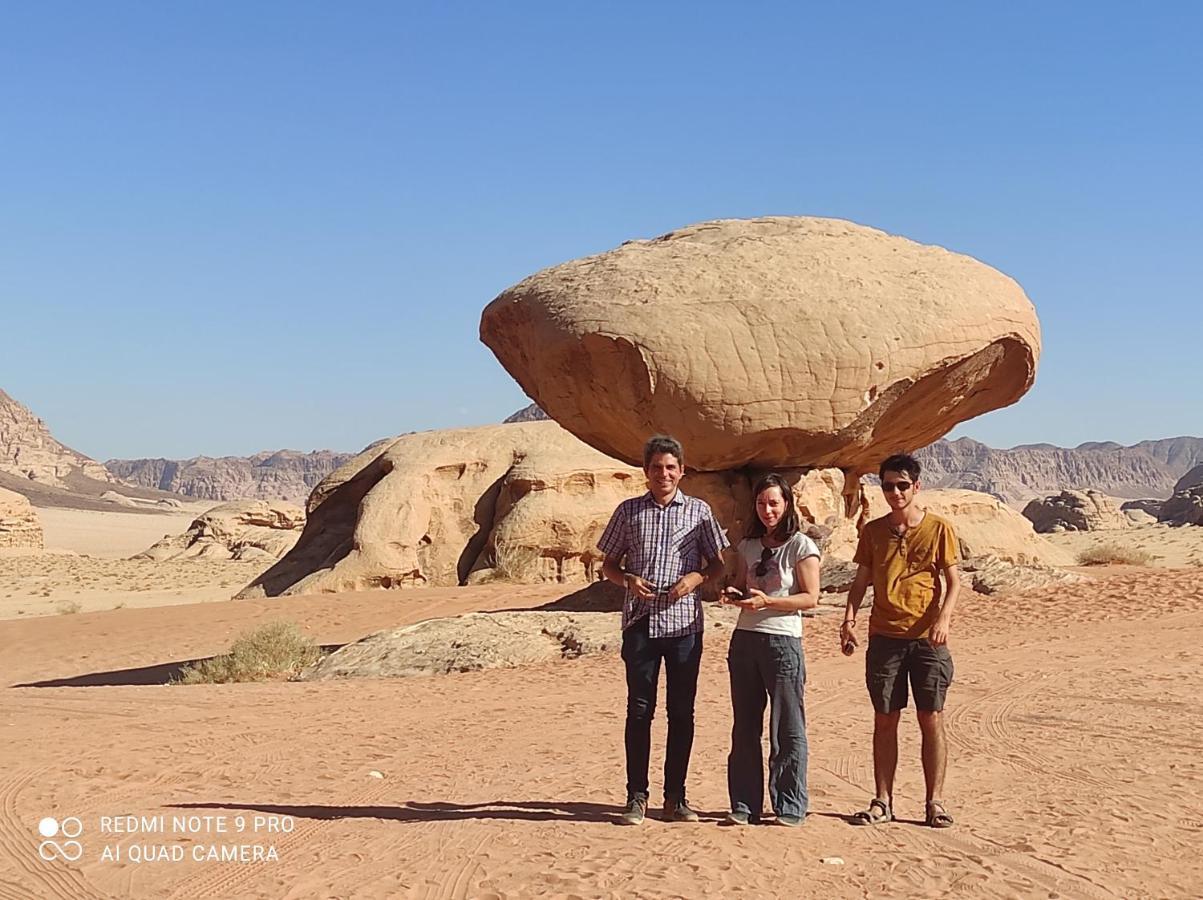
x=901 y=486
x=762 y=567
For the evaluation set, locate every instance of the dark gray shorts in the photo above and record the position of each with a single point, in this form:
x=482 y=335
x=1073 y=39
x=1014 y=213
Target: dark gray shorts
x=889 y=662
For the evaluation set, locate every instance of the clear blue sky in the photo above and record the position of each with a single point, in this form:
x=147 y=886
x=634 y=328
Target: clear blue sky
x=227 y=227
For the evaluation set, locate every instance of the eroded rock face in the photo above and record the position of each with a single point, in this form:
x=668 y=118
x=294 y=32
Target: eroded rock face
x=243 y=529
x=767 y=342
x=525 y=502
x=985 y=526
x=1185 y=506
x=20 y=528
x=29 y=450
x=1087 y=510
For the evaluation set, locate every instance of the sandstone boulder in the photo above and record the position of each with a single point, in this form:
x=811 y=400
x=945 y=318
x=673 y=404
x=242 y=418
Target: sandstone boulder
x=1185 y=506
x=767 y=342
x=986 y=526
x=20 y=528
x=991 y=575
x=243 y=529
x=491 y=640
x=1087 y=510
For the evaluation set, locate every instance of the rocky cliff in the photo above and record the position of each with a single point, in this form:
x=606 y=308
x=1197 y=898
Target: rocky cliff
x=1147 y=469
x=280 y=475
x=29 y=451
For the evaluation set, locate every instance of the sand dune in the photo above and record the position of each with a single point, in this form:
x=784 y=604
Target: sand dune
x=1075 y=725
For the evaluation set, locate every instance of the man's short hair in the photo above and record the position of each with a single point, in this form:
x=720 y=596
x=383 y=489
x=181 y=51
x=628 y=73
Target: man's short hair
x=900 y=462
x=662 y=443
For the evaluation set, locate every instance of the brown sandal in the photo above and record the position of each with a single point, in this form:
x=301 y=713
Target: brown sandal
x=878 y=813
x=937 y=815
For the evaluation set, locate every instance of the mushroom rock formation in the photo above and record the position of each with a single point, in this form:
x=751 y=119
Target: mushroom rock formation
x=767 y=342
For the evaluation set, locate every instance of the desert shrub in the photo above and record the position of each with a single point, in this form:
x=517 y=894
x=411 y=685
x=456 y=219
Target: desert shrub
x=67 y=607
x=518 y=563
x=1114 y=555
x=278 y=650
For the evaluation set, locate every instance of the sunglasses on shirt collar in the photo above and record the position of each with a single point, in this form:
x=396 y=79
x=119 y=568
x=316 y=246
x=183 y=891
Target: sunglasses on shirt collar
x=762 y=567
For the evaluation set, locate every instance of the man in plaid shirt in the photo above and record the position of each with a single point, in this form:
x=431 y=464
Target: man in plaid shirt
x=661 y=548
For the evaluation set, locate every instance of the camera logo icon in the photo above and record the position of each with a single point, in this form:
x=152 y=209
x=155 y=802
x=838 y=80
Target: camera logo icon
x=70 y=849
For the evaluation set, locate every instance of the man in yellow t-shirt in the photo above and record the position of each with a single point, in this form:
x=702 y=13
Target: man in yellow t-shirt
x=905 y=555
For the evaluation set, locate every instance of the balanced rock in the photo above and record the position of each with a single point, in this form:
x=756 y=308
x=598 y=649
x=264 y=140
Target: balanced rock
x=243 y=529
x=1185 y=506
x=1087 y=510
x=767 y=342
x=20 y=528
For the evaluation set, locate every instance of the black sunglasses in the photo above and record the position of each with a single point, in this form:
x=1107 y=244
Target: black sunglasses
x=891 y=486
x=762 y=567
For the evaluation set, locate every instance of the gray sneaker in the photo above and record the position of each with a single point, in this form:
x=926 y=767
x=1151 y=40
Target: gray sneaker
x=636 y=809
x=678 y=811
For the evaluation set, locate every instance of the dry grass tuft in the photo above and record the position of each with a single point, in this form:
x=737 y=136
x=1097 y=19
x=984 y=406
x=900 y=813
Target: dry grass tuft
x=1114 y=555
x=67 y=607
x=275 y=651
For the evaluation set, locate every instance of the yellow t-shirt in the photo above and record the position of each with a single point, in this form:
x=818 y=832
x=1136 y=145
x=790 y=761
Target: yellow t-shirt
x=906 y=586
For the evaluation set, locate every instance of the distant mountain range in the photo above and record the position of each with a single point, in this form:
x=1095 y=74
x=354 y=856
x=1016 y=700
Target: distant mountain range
x=34 y=463
x=1147 y=469
x=279 y=475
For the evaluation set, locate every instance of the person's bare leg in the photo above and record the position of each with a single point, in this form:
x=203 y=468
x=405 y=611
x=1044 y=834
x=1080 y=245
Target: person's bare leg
x=935 y=752
x=885 y=754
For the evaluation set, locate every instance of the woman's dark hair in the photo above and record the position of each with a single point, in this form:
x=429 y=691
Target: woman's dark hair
x=789 y=524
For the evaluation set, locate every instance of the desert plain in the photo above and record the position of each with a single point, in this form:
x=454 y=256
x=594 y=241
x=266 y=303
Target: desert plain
x=1074 y=723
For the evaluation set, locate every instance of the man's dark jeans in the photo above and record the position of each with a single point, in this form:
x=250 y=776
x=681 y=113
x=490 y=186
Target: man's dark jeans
x=682 y=657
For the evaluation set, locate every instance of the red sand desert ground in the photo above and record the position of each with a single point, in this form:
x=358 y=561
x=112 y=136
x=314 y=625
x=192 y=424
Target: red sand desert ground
x=1075 y=726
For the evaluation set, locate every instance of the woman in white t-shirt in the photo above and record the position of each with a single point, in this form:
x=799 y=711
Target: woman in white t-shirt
x=776 y=577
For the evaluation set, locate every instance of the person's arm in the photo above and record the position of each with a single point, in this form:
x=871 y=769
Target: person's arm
x=952 y=583
x=804 y=596
x=613 y=571
x=691 y=581
x=857 y=593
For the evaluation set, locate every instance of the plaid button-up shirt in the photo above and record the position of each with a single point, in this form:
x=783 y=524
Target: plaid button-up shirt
x=660 y=545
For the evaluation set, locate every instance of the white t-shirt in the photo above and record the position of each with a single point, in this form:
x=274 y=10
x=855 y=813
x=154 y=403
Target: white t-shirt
x=778 y=581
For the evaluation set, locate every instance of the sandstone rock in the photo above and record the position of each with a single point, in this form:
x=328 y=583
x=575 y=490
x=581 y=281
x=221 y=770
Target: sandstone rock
x=767 y=342
x=1140 y=517
x=1075 y=511
x=471 y=642
x=118 y=499
x=986 y=526
x=1185 y=506
x=271 y=475
x=991 y=575
x=1151 y=506
x=1027 y=472
x=27 y=449
x=566 y=629
x=246 y=529
x=522 y=502
x=20 y=528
